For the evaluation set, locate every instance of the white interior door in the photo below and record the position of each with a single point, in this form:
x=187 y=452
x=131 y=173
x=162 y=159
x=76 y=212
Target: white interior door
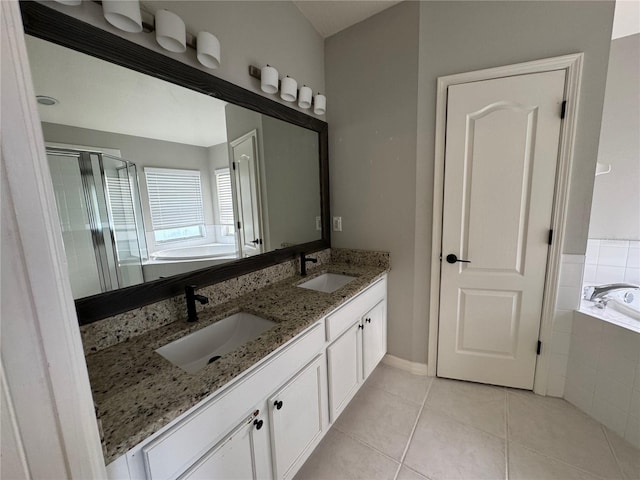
x=247 y=186
x=502 y=141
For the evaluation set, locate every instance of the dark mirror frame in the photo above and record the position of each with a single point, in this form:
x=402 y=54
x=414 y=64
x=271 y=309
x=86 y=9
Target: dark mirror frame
x=48 y=24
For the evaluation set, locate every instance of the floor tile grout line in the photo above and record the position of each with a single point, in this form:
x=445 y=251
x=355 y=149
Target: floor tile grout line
x=612 y=450
x=413 y=430
x=559 y=460
x=392 y=393
x=362 y=442
x=506 y=434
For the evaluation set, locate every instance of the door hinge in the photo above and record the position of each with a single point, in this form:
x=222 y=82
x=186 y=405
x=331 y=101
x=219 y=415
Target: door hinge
x=563 y=109
x=550 y=240
x=539 y=348
x=239 y=227
x=233 y=164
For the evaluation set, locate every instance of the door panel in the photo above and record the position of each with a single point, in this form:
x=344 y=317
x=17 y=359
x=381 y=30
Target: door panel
x=344 y=370
x=500 y=164
x=247 y=186
x=374 y=337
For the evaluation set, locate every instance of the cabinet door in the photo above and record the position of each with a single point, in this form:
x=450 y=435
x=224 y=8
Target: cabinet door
x=344 y=369
x=298 y=418
x=240 y=455
x=374 y=337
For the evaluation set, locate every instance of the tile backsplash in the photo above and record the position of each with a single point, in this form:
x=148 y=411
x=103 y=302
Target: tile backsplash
x=612 y=261
x=112 y=330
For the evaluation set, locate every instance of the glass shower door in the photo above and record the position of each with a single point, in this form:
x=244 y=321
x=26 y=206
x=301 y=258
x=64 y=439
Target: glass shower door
x=99 y=209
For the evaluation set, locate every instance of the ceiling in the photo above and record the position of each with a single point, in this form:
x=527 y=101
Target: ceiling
x=102 y=96
x=626 y=19
x=331 y=16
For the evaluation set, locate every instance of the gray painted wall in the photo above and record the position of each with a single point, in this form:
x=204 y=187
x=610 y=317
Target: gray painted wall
x=372 y=88
x=615 y=212
x=382 y=118
x=250 y=33
x=292 y=175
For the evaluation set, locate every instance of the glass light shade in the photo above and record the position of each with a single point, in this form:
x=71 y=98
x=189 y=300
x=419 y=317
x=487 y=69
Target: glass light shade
x=289 y=89
x=304 y=98
x=320 y=104
x=171 y=33
x=269 y=79
x=123 y=14
x=208 y=47
x=70 y=3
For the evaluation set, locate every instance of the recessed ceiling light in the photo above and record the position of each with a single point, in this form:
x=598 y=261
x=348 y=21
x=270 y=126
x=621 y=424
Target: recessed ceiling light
x=44 y=100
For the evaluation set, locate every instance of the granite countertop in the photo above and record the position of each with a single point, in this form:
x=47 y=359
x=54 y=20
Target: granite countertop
x=137 y=391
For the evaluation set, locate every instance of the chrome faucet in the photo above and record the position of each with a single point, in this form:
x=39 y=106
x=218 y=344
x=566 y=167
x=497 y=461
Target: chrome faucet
x=192 y=297
x=596 y=293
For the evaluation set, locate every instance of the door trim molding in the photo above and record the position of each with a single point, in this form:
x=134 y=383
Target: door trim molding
x=572 y=64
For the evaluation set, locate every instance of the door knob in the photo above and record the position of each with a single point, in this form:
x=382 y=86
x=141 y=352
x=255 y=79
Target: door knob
x=256 y=241
x=258 y=424
x=452 y=258
x=278 y=404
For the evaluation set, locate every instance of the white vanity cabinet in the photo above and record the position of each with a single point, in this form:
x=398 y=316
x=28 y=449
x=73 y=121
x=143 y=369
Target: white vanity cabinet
x=242 y=455
x=357 y=333
x=266 y=423
x=298 y=418
x=221 y=431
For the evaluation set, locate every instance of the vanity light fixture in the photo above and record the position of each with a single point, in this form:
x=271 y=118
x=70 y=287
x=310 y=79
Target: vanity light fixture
x=171 y=33
x=208 y=48
x=268 y=79
x=304 y=97
x=123 y=14
x=288 y=89
x=602 y=168
x=269 y=83
x=319 y=104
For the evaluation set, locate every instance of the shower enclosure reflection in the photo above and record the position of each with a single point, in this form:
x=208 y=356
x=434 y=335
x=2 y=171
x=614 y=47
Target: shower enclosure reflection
x=99 y=208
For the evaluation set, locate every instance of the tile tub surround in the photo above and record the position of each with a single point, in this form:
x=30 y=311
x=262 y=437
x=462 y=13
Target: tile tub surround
x=612 y=261
x=446 y=429
x=137 y=392
x=603 y=374
x=124 y=326
x=569 y=290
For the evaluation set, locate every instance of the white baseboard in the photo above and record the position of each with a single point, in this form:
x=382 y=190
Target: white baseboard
x=411 y=367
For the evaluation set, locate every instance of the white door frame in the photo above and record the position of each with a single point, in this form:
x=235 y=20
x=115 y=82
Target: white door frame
x=47 y=394
x=259 y=184
x=573 y=66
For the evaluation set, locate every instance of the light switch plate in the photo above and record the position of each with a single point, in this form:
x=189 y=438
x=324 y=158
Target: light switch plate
x=337 y=224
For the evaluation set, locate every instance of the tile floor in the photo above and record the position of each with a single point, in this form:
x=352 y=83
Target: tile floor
x=408 y=427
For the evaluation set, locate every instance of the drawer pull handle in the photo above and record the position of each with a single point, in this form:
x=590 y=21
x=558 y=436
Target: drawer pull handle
x=278 y=404
x=258 y=424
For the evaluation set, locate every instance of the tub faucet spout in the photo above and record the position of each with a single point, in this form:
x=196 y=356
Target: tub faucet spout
x=192 y=298
x=596 y=293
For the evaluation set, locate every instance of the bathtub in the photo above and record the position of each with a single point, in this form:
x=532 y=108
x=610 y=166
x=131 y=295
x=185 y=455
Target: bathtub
x=602 y=378
x=198 y=252
x=622 y=309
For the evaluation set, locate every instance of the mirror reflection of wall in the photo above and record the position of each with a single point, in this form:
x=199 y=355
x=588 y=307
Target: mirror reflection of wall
x=613 y=248
x=174 y=148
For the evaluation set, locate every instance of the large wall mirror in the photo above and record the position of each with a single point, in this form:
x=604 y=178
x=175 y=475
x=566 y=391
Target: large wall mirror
x=164 y=175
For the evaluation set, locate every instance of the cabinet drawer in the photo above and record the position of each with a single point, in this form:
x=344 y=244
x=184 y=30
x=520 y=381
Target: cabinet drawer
x=174 y=451
x=351 y=312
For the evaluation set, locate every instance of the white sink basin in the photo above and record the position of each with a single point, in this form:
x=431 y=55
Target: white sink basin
x=327 y=282
x=194 y=351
